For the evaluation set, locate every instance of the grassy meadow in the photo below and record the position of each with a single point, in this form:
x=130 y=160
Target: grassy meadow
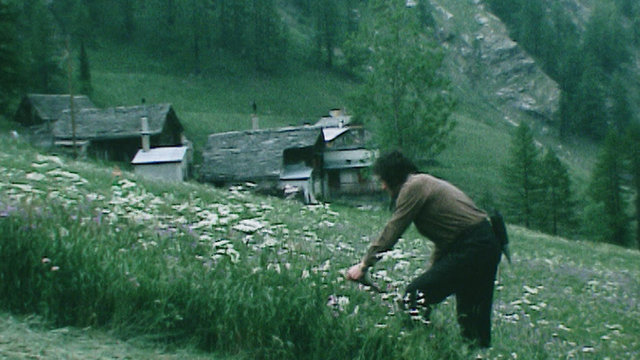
x=198 y=272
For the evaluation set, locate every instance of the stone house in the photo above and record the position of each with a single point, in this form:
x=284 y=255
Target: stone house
x=115 y=133
x=38 y=112
x=274 y=159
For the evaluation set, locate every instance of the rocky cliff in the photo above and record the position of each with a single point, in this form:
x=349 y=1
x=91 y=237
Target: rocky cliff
x=494 y=65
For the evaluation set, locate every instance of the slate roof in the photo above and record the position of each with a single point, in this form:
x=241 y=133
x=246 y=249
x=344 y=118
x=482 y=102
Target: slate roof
x=254 y=155
x=51 y=107
x=113 y=123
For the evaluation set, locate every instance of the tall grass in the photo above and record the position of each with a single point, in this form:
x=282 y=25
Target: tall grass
x=262 y=278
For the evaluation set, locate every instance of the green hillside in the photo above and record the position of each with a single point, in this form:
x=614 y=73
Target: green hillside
x=93 y=261
x=219 y=103
x=195 y=268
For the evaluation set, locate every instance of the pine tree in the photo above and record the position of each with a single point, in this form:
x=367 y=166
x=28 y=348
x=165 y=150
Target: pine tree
x=45 y=52
x=633 y=156
x=11 y=68
x=85 y=72
x=607 y=195
x=621 y=113
x=557 y=207
x=523 y=177
x=328 y=22
x=589 y=106
x=267 y=44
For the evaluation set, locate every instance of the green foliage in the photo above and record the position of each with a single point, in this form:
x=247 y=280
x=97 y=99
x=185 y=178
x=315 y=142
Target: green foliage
x=85 y=72
x=632 y=144
x=606 y=190
x=584 y=63
x=405 y=98
x=10 y=72
x=261 y=278
x=43 y=49
x=523 y=176
x=557 y=204
x=605 y=39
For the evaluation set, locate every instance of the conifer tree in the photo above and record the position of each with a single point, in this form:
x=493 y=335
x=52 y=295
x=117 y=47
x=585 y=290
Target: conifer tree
x=11 y=68
x=85 y=72
x=267 y=44
x=556 y=209
x=522 y=175
x=328 y=21
x=606 y=191
x=633 y=156
x=45 y=51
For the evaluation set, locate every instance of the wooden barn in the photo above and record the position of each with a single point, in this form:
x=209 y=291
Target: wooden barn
x=38 y=112
x=274 y=159
x=115 y=133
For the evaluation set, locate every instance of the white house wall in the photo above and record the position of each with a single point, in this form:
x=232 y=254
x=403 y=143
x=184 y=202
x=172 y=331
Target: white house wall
x=167 y=172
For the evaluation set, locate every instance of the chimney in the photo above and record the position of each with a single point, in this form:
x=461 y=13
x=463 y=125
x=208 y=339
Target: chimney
x=145 y=133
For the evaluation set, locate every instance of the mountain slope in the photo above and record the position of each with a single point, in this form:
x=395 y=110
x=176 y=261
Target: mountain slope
x=190 y=264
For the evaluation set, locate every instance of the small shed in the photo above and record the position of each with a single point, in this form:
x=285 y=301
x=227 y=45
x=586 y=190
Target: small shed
x=268 y=157
x=37 y=113
x=297 y=178
x=114 y=133
x=163 y=163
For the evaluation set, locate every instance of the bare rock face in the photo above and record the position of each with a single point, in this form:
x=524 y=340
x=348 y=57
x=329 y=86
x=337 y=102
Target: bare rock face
x=518 y=82
x=495 y=66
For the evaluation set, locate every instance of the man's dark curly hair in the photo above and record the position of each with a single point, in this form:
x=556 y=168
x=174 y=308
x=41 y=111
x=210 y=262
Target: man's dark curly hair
x=394 y=168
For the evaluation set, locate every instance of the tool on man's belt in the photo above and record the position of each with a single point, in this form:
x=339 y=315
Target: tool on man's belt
x=500 y=230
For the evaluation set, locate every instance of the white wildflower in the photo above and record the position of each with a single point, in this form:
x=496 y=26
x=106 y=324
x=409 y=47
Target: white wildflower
x=233 y=255
x=222 y=243
x=343 y=301
x=305 y=274
x=563 y=327
x=269 y=241
x=23 y=187
x=45 y=159
x=325 y=266
x=588 y=349
x=35 y=176
x=275 y=267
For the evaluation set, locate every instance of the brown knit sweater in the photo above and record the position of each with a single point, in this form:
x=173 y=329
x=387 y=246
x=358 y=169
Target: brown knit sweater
x=439 y=210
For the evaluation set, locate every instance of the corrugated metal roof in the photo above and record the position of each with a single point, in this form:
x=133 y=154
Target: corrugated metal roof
x=160 y=155
x=332 y=133
x=296 y=172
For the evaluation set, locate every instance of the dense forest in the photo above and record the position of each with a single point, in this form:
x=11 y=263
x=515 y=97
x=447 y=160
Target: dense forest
x=590 y=51
x=591 y=60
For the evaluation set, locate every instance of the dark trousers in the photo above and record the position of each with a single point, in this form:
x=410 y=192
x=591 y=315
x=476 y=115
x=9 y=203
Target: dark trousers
x=468 y=270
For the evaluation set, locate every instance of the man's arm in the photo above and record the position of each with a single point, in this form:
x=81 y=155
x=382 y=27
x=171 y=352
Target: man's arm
x=408 y=205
